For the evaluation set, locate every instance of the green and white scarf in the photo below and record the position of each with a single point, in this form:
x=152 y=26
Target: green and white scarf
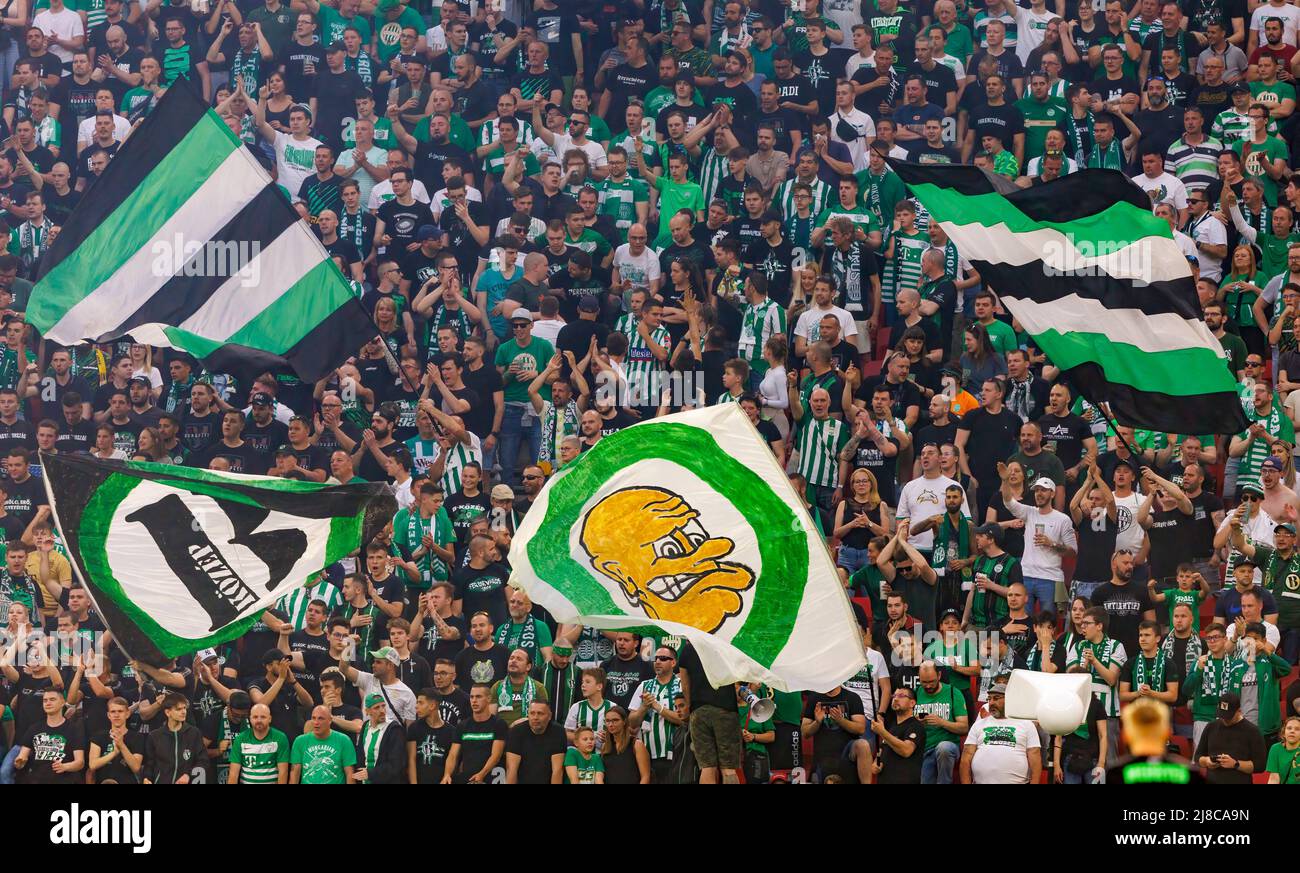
x=371 y=737
x=946 y=549
x=556 y=425
x=1149 y=671
x=33 y=240
x=519 y=636
x=1110 y=158
x=506 y=694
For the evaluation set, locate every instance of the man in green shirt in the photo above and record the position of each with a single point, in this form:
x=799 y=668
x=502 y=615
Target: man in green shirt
x=1042 y=113
x=942 y=709
x=1263 y=157
x=1001 y=335
x=1280 y=565
x=389 y=19
x=276 y=20
x=675 y=191
x=1269 y=425
x=259 y=754
x=850 y=206
x=322 y=756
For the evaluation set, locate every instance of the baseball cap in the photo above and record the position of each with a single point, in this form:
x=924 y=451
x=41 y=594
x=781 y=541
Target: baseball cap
x=1239 y=88
x=372 y=699
x=261 y=398
x=521 y=314
x=239 y=700
x=427 y=232
x=1271 y=463
x=950 y=613
x=1244 y=561
x=589 y=303
x=1228 y=705
x=284 y=449
x=502 y=492
x=387 y=653
x=1286 y=526
x=140 y=377
x=1044 y=482
x=992 y=529
x=207 y=654
x=270 y=656
x=335 y=47
x=998 y=688
x=1253 y=487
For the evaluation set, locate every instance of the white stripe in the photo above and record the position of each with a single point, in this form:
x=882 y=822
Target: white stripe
x=1165 y=332
x=219 y=199
x=1150 y=259
x=275 y=270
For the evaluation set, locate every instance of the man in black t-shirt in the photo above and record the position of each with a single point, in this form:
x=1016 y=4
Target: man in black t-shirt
x=902 y=741
x=431 y=737
x=52 y=751
x=535 y=748
x=837 y=723
x=480 y=744
x=124 y=748
x=715 y=722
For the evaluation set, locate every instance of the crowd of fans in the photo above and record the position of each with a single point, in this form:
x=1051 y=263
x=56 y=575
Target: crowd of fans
x=568 y=216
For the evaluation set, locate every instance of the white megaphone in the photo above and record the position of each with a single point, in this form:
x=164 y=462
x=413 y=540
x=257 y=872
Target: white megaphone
x=1057 y=701
x=760 y=708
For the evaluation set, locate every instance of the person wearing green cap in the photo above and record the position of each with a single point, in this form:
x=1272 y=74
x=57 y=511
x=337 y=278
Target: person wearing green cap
x=381 y=746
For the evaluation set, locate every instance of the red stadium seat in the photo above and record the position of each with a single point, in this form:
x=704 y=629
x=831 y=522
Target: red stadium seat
x=881 y=344
x=865 y=603
x=872 y=368
x=1184 y=745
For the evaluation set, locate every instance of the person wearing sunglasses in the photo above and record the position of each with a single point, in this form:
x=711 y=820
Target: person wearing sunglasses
x=1209 y=234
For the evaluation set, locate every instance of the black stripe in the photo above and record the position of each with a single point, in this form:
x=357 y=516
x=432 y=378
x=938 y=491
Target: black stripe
x=1068 y=198
x=1030 y=282
x=177 y=112
x=1219 y=412
x=259 y=222
x=326 y=346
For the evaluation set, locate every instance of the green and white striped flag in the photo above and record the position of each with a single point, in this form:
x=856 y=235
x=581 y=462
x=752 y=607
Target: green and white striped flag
x=1099 y=283
x=176 y=559
x=185 y=241
x=687 y=525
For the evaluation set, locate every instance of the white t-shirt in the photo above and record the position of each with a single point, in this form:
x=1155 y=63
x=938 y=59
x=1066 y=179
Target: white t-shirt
x=1271 y=633
x=922 y=498
x=1031 y=26
x=86 y=130
x=547 y=328
x=1209 y=231
x=1289 y=14
x=1129 y=534
x=642 y=269
x=809 y=325
x=66 y=24
x=439 y=201
x=400 y=699
x=1163 y=189
x=867 y=686
x=866 y=128
x=1002 y=750
x=383 y=192
x=595 y=151
x=295 y=160
x=1041 y=562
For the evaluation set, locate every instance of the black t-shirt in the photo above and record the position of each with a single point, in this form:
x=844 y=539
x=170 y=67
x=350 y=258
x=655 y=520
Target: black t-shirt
x=200 y=431
x=1113 y=89
x=79 y=437
x=992 y=439
x=454 y=708
x=315 y=650
x=830 y=740
x=702 y=691
x=1089 y=746
x=243 y=458
x=369 y=468
x=1125 y=607
x=535 y=751
x=895 y=769
x=475 y=739
x=883 y=467
x=1170 y=532
x=433 y=648
x=25 y=497
x=116 y=770
x=462 y=510
x=19 y=434
x=1064 y=435
x=265 y=438
x=483 y=591
x=1004 y=122
x=295 y=58
x=623 y=677
x=625 y=81
x=431 y=747
x=484 y=382
x=401 y=222
x=1199 y=540
x=903 y=395
x=48 y=745
x=1096 y=535
x=1018 y=642
x=481 y=668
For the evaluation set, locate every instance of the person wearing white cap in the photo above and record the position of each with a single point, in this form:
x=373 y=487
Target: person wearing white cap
x=1049 y=537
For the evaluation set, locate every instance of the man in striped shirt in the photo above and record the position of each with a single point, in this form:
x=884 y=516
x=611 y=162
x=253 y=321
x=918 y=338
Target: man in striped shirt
x=295 y=603
x=1193 y=158
x=805 y=171
x=651 y=711
x=760 y=320
x=458 y=446
x=819 y=442
x=647 y=352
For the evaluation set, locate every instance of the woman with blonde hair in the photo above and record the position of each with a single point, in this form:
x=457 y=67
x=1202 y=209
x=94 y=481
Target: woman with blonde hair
x=142 y=363
x=860 y=516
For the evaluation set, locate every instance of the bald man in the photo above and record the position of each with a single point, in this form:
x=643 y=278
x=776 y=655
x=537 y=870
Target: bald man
x=259 y=754
x=526 y=291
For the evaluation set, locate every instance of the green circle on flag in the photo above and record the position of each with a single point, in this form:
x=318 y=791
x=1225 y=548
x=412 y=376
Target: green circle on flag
x=780 y=534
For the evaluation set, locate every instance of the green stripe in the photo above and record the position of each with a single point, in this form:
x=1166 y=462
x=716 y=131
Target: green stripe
x=133 y=224
x=1178 y=372
x=1109 y=230
x=283 y=324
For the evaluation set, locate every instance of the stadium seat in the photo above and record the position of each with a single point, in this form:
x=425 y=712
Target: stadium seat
x=1184 y=745
x=881 y=344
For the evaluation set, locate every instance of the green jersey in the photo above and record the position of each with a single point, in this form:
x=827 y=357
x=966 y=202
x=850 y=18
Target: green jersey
x=1277 y=425
x=1041 y=117
x=674 y=196
x=1002 y=337
x=1285 y=763
x=820 y=442
x=588 y=766
x=946 y=703
x=1191 y=599
x=322 y=761
x=1205 y=685
x=495 y=162
x=759 y=322
x=513 y=358
x=259 y=759
x=1253 y=155
x=389 y=33
x=619 y=201
x=331 y=25
x=903 y=263
x=1282 y=577
x=784 y=199
x=987 y=607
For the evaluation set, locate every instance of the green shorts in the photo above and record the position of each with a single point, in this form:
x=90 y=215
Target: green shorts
x=715 y=737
